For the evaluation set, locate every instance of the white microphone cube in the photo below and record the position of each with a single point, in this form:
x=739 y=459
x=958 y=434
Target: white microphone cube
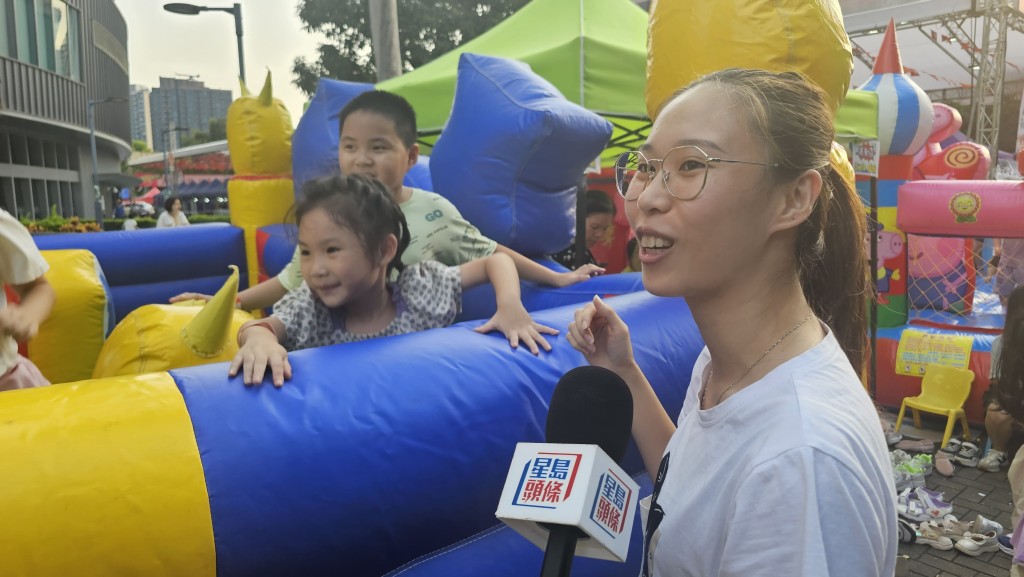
x=575 y=485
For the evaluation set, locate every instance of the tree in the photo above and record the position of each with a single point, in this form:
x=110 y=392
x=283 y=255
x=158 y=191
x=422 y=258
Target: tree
x=426 y=29
x=140 y=146
x=218 y=131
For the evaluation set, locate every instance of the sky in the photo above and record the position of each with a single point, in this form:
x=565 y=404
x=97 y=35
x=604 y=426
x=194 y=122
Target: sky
x=162 y=43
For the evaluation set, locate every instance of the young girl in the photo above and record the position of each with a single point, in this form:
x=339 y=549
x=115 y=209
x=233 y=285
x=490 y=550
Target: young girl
x=22 y=267
x=351 y=236
x=777 y=465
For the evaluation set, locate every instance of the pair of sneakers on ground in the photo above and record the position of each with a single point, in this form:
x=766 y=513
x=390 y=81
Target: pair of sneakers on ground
x=969 y=455
x=970 y=537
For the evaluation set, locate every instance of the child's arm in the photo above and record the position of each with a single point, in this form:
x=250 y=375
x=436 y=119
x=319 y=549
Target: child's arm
x=22 y=320
x=511 y=317
x=259 y=345
x=532 y=271
x=259 y=297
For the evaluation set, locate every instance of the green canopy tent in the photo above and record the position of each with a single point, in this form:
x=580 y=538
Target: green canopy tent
x=593 y=51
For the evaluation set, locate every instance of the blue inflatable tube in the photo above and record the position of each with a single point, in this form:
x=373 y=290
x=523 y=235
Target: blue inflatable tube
x=501 y=552
x=152 y=265
x=381 y=451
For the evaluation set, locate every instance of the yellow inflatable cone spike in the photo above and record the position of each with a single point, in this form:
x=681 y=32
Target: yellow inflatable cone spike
x=207 y=334
x=267 y=94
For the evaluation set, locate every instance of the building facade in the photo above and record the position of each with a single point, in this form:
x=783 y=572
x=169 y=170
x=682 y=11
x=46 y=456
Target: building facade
x=187 y=104
x=58 y=60
x=142 y=127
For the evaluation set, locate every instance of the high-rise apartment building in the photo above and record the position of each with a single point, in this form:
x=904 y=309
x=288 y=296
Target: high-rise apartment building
x=142 y=126
x=186 y=104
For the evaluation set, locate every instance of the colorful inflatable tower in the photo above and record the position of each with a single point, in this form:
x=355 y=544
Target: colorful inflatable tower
x=904 y=122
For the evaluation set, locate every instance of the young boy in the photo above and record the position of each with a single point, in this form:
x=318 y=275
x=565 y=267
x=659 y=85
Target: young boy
x=22 y=267
x=378 y=139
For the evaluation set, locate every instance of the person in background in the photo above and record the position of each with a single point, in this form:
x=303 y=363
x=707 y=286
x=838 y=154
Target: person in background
x=172 y=214
x=22 y=268
x=776 y=464
x=600 y=216
x=377 y=138
x=632 y=256
x=352 y=234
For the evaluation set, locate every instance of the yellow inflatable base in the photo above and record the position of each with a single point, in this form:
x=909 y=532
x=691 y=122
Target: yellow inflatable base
x=113 y=486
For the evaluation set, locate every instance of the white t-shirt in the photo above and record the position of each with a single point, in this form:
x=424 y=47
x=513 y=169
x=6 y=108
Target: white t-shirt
x=789 y=476
x=165 y=220
x=20 y=263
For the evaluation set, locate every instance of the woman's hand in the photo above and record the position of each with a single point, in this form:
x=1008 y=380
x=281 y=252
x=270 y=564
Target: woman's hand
x=261 y=350
x=517 y=326
x=602 y=337
x=564 y=279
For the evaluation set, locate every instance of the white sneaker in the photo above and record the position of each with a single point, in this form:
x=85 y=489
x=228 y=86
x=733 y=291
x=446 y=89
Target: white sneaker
x=952 y=447
x=929 y=535
x=992 y=461
x=984 y=525
x=975 y=544
x=968 y=455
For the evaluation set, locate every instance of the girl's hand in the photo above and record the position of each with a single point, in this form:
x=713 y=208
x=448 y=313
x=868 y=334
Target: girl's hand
x=602 y=337
x=256 y=354
x=17 y=325
x=190 y=297
x=517 y=326
x=564 y=279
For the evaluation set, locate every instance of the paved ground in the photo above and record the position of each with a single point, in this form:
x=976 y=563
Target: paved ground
x=971 y=491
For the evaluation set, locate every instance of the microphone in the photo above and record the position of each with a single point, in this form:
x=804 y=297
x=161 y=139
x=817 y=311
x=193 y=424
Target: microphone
x=571 y=487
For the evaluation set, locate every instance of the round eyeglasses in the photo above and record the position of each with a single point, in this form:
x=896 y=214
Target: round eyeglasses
x=684 y=171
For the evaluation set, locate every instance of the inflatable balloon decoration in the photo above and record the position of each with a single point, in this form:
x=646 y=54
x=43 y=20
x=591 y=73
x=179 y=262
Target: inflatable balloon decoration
x=959 y=161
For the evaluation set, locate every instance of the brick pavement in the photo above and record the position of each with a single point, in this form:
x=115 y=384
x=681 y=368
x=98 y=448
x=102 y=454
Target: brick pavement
x=972 y=492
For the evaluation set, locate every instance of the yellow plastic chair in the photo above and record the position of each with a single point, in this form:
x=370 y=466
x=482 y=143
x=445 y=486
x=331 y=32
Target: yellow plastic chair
x=943 y=391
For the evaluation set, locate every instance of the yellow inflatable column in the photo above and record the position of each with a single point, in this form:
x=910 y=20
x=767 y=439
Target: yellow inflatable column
x=103 y=478
x=260 y=142
x=70 y=339
x=162 y=337
x=690 y=38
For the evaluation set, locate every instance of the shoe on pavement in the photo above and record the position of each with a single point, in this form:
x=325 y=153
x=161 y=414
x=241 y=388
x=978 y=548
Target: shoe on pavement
x=952 y=447
x=1005 y=543
x=985 y=525
x=933 y=503
x=992 y=461
x=928 y=535
x=975 y=544
x=907 y=532
x=942 y=464
x=968 y=455
x=951 y=526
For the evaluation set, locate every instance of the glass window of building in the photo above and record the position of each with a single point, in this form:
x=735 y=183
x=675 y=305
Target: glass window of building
x=65 y=40
x=25 y=31
x=6 y=34
x=44 y=34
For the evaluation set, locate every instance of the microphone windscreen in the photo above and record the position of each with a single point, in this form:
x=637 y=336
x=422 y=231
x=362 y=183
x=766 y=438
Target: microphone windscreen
x=591 y=406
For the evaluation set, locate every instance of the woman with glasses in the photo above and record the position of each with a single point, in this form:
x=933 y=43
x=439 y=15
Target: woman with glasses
x=777 y=465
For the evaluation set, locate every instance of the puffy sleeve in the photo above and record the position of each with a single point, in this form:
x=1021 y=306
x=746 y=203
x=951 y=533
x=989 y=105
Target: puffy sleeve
x=298 y=313
x=432 y=293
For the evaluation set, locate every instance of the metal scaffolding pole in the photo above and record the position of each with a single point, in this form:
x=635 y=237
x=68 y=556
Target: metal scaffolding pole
x=987 y=97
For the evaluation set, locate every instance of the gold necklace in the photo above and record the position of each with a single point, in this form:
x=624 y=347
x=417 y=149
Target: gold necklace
x=711 y=371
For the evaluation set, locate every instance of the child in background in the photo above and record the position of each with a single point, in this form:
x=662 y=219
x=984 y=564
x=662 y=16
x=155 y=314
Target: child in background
x=22 y=267
x=600 y=217
x=632 y=256
x=377 y=138
x=172 y=215
x=352 y=235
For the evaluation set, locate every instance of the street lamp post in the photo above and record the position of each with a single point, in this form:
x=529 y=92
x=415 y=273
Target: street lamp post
x=235 y=10
x=97 y=195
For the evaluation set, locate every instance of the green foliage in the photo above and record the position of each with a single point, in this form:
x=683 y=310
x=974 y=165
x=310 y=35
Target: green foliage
x=218 y=131
x=426 y=29
x=57 y=223
x=140 y=146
